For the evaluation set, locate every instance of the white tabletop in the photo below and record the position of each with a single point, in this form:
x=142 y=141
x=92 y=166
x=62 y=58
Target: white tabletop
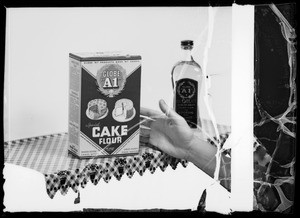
x=25 y=190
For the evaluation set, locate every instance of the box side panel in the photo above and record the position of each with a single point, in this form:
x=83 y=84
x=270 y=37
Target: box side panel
x=74 y=105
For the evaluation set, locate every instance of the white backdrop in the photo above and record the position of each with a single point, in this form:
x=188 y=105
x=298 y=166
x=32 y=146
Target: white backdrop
x=39 y=41
x=36 y=81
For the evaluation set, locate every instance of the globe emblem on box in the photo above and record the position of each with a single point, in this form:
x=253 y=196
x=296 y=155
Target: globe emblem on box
x=111 y=79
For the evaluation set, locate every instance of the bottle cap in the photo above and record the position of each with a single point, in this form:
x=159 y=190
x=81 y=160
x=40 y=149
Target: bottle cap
x=187 y=43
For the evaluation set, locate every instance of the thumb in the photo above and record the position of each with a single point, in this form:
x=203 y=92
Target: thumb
x=167 y=110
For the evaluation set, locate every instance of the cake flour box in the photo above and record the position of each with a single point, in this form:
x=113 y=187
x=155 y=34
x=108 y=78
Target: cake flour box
x=104 y=104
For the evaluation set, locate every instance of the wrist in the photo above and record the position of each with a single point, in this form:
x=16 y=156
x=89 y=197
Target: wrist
x=201 y=153
x=198 y=143
x=190 y=151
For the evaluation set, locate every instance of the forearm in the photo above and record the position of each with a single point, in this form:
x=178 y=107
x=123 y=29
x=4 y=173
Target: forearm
x=203 y=155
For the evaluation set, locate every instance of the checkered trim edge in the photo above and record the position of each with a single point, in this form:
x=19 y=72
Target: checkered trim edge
x=117 y=167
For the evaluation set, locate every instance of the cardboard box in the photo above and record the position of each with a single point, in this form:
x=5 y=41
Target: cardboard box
x=104 y=104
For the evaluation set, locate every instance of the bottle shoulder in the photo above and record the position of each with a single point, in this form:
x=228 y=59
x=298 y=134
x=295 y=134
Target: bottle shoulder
x=191 y=63
x=189 y=66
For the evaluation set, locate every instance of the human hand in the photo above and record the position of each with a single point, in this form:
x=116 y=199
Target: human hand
x=169 y=131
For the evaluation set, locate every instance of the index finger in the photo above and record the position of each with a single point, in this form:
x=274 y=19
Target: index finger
x=150 y=113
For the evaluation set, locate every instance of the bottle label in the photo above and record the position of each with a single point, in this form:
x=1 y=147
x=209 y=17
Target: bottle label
x=186 y=100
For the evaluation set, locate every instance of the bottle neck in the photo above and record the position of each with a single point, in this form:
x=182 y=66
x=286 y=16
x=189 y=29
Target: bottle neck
x=186 y=54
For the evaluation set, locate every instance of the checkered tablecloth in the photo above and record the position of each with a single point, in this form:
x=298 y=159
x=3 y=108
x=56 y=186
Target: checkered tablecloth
x=49 y=155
